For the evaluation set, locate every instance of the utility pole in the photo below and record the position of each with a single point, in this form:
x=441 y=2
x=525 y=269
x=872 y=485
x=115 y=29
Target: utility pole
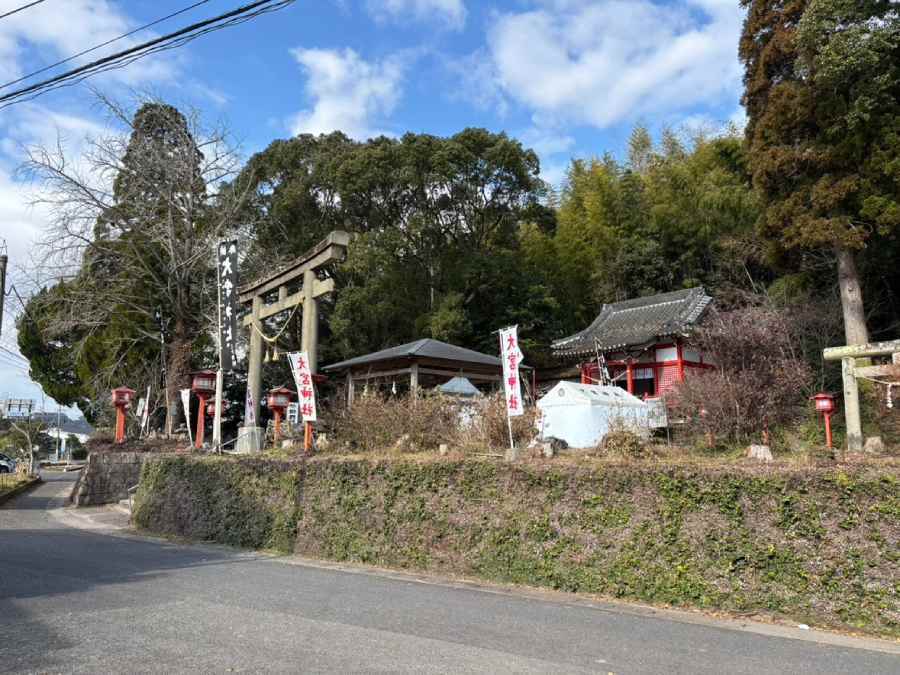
x=58 y=431
x=3 y=260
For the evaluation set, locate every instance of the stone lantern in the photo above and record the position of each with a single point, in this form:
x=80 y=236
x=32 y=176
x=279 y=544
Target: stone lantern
x=278 y=401
x=203 y=383
x=121 y=399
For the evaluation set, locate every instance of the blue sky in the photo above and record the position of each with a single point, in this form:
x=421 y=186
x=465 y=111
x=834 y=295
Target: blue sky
x=570 y=78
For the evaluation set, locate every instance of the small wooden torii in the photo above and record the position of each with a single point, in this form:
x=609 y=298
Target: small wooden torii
x=847 y=355
x=257 y=294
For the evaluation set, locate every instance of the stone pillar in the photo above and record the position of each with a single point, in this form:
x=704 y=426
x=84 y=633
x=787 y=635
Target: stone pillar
x=250 y=436
x=310 y=330
x=851 y=406
x=414 y=380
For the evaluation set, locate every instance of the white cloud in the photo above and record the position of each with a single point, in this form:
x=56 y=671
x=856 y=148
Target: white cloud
x=349 y=94
x=606 y=61
x=452 y=13
x=553 y=148
x=55 y=31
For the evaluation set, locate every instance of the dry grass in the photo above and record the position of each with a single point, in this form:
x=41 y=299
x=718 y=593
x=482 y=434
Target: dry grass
x=390 y=425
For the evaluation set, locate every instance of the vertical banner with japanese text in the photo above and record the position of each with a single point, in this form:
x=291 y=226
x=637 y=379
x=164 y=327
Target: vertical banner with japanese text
x=249 y=417
x=511 y=356
x=306 y=393
x=228 y=282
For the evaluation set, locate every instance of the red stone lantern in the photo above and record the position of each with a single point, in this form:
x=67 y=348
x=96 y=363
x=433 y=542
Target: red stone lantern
x=203 y=383
x=278 y=401
x=825 y=404
x=121 y=398
x=211 y=407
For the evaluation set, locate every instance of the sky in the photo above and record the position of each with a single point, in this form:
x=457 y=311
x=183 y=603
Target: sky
x=569 y=78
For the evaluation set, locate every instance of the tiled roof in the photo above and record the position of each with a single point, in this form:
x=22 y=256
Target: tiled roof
x=425 y=348
x=637 y=322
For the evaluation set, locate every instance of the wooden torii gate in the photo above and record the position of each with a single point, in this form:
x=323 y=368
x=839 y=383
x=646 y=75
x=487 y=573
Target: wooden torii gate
x=851 y=371
x=296 y=284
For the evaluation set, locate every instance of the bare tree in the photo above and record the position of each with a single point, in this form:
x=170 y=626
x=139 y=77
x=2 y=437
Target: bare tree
x=133 y=224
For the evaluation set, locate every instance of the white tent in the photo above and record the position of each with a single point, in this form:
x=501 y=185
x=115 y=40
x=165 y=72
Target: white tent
x=582 y=414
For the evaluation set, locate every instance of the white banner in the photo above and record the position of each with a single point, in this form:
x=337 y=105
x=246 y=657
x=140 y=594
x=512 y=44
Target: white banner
x=511 y=356
x=186 y=402
x=249 y=416
x=306 y=392
x=145 y=413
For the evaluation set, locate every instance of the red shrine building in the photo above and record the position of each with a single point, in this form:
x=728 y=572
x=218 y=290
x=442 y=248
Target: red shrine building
x=641 y=344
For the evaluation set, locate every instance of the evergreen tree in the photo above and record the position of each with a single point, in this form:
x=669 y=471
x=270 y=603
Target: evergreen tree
x=821 y=85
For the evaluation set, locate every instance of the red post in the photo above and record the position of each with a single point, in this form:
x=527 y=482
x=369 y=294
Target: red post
x=828 y=429
x=629 y=370
x=201 y=422
x=680 y=351
x=307 y=436
x=120 y=424
x=277 y=412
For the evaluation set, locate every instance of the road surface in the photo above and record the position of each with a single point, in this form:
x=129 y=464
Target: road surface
x=79 y=600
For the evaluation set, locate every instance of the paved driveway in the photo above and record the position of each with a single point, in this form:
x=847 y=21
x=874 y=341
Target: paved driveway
x=76 y=600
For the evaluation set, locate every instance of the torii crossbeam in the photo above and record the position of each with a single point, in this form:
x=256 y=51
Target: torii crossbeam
x=294 y=284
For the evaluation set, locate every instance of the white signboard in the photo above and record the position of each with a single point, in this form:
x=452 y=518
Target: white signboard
x=293 y=412
x=306 y=393
x=511 y=356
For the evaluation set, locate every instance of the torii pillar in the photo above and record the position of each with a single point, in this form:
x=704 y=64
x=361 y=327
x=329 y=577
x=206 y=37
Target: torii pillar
x=269 y=296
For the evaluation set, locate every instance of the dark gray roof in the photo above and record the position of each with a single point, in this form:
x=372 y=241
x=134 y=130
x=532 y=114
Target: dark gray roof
x=425 y=348
x=637 y=322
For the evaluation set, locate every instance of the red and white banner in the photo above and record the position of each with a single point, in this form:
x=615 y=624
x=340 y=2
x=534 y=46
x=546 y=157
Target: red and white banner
x=511 y=356
x=306 y=393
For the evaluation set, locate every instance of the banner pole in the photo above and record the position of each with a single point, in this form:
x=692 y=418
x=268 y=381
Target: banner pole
x=512 y=446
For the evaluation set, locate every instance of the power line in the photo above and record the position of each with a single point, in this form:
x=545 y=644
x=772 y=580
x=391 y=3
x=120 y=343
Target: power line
x=103 y=44
x=16 y=11
x=127 y=56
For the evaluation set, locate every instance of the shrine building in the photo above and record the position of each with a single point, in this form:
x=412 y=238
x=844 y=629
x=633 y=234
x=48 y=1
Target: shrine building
x=643 y=343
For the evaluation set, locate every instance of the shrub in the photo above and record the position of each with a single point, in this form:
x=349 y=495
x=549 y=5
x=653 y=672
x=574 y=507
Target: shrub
x=760 y=379
x=622 y=442
x=79 y=453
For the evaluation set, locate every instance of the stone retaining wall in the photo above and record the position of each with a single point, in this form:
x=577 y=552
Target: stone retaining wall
x=106 y=477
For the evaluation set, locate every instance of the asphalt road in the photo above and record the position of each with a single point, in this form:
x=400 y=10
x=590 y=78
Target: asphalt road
x=76 y=600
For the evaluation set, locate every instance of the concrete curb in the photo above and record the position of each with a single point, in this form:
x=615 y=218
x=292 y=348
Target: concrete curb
x=15 y=492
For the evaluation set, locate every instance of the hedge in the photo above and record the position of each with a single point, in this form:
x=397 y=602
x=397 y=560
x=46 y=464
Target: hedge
x=817 y=545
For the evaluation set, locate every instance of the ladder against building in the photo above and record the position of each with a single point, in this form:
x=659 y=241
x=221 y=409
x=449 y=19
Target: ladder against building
x=851 y=371
x=301 y=284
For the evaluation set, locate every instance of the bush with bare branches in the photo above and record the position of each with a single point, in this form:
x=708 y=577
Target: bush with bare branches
x=760 y=381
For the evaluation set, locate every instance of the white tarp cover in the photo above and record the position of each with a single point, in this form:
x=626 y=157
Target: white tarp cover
x=581 y=414
x=459 y=386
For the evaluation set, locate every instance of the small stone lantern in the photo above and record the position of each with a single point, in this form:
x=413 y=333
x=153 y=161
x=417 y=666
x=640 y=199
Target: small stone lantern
x=121 y=399
x=203 y=383
x=278 y=401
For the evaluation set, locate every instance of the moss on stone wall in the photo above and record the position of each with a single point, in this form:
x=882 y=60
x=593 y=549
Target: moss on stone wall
x=815 y=544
